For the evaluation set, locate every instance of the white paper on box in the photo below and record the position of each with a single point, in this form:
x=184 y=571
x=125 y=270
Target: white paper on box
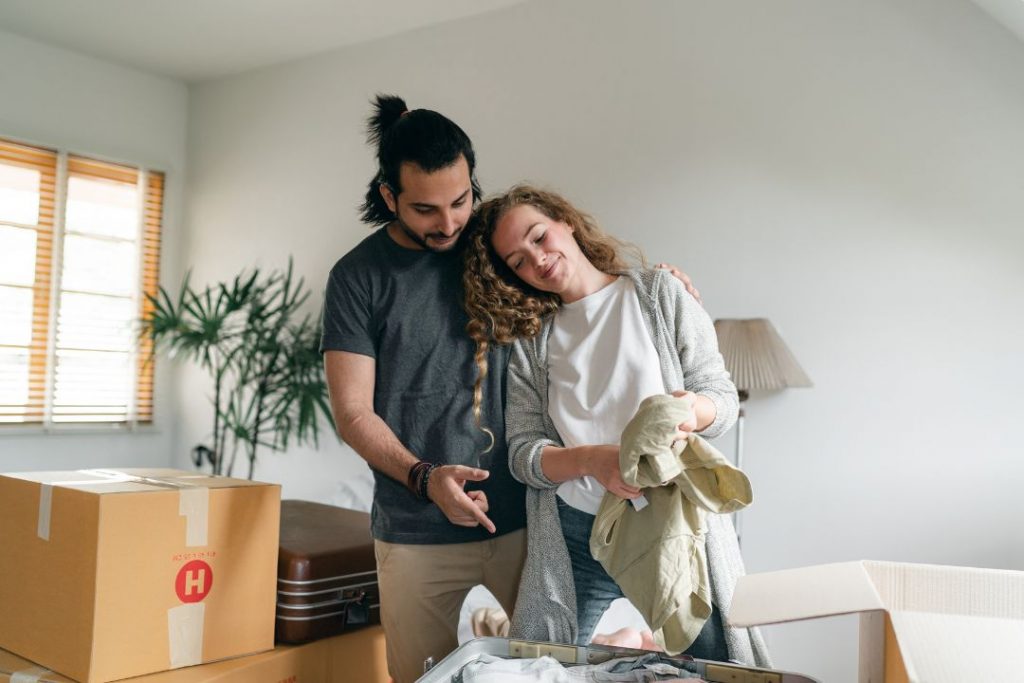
x=185 y=634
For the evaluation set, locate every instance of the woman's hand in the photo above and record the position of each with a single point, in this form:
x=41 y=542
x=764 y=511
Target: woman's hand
x=602 y=463
x=702 y=412
x=690 y=425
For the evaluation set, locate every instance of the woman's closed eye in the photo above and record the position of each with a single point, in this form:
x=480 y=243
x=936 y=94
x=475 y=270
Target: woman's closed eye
x=539 y=239
x=518 y=262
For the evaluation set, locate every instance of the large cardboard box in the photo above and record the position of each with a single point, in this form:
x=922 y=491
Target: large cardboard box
x=353 y=657
x=106 y=574
x=918 y=623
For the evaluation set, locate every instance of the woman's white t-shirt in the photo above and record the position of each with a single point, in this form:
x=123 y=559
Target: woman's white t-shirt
x=601 y=364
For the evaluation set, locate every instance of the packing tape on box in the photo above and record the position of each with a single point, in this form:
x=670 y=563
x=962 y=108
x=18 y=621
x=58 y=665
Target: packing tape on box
x=193 y=501
x=194 y=506
x=45 y=505
x=185 y=634
x=33 y=675
x=46 y=495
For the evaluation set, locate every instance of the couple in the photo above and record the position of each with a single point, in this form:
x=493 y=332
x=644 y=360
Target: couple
x=430 y=409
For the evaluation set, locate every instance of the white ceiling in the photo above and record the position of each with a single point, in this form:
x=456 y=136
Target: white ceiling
x=195 y=40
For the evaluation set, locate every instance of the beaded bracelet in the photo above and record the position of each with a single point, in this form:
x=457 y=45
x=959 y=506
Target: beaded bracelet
x=426 y=480
x=415 y=477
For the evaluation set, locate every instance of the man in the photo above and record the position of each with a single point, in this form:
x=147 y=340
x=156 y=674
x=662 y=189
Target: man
x=400 y=370
x=447 y=514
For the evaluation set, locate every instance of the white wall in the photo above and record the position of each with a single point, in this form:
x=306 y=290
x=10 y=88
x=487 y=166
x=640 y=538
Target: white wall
x=62 y=99
x=850 y=170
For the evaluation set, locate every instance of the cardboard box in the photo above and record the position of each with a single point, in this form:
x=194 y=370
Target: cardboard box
x=918 y=623
x=356 y=657
x=106 y=574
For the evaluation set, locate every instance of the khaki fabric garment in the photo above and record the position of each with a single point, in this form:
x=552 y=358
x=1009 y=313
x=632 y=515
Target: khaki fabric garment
x=657 y=554
x=489 y=622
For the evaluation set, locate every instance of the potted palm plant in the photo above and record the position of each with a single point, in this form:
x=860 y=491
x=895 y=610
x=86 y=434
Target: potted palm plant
x=262 y=355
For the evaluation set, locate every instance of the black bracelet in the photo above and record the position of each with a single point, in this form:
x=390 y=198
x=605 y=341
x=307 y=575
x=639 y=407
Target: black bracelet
x=426 y=480
x=415 y=477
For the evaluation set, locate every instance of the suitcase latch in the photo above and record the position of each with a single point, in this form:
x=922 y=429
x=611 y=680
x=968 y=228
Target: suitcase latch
x=357 y=610
x=526 y=650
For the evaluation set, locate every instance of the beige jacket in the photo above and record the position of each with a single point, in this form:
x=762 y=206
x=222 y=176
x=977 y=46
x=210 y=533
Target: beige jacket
x=657 y=554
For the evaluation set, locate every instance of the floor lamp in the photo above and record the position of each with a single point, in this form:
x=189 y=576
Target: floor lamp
x=757 y=358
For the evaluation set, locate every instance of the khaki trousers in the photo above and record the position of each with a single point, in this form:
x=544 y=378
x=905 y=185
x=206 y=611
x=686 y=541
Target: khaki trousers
x=422 y=588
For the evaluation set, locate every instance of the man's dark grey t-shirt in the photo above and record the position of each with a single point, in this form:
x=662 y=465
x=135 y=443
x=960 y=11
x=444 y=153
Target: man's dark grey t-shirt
x=403 y=308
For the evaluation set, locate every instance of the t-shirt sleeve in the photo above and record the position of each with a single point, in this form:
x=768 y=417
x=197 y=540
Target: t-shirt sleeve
x=347 y=318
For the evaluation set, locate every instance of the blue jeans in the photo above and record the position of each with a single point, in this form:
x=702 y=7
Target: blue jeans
x=595 y=590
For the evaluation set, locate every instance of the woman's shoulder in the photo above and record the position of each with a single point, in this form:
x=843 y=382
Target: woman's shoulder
x=651 y=283
x=536 y=345
x=659 y=290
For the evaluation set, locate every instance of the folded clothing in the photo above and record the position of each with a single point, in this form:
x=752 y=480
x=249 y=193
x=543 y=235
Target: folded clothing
x=648 y=668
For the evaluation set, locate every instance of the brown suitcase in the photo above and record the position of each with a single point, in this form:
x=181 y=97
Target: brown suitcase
x=327 y=572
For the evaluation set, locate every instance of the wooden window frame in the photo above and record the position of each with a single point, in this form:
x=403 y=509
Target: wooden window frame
x=56 y=167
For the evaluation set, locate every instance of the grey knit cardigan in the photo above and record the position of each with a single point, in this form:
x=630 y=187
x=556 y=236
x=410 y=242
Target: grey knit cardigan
x=688 y=350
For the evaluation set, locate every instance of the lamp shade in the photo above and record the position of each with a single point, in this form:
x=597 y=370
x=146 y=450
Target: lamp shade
x=756 y=356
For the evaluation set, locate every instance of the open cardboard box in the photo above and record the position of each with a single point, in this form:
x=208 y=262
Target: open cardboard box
x=918 y=623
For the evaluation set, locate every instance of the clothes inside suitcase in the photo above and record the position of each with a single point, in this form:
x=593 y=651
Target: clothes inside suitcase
x=450 y=668
x=327 y=572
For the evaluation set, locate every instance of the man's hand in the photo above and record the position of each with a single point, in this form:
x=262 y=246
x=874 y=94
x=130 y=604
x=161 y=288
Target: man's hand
x=684 y=278
x=446 y=488
x=603 y=464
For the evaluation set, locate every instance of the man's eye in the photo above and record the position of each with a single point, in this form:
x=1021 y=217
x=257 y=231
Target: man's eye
x=459 y=203
x=421 y=210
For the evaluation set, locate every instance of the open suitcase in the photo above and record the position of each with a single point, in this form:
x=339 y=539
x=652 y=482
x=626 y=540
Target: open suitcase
x=713 y=672
x=327 y=572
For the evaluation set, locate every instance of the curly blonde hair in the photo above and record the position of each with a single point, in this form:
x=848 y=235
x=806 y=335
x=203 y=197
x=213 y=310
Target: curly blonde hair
x=503 y=308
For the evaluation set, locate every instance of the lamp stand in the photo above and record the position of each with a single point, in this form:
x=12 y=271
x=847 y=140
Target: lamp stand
x=743 y=395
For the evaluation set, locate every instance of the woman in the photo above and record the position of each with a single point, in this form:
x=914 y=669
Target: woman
x=592 y=339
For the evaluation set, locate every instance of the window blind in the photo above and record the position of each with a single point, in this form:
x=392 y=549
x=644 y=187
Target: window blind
x=79 y=249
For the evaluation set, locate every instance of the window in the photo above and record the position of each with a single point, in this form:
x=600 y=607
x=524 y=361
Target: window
x=79 y=249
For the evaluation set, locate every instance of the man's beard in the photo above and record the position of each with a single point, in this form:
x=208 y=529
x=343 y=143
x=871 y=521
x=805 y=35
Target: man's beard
x=408 y=232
